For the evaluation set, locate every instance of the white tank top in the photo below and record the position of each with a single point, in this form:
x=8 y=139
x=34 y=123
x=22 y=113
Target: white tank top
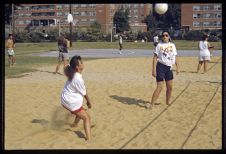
x=203 y=49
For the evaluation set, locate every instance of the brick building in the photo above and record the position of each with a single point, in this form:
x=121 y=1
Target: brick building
x=53 y=15
x=199 y=16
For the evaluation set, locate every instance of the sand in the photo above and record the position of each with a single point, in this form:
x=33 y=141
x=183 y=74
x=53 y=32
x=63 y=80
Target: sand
x=118 y=89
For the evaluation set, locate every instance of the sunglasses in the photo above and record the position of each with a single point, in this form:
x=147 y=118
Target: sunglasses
x=165 y=35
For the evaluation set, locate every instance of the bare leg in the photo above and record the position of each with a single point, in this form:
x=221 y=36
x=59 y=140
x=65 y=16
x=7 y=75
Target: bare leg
x=66 y=62
x=13 y=59
x=199 y=66
x=76 y=121
x=205 y=65
x=9 y=60
x=120 y=48
x=156 y=93
x=58 y=67
x=169 y=88
x=86 y=123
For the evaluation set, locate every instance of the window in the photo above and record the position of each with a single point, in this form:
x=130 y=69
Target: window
x=75 y=6
x=206 y=7
x=19 y=7
x=36 y=22
x=135 y=11
x=83 y=13
x=218 y=23
x=217 y=6
x=219 y=15
x=135 y=6
x=59 y=7
x=21 y=22
x=196 y=15
x=66 y=6
x=92 y=13
x=215 y=23
x=206 y=15
x=196 y=23
x=206 y=23
x=127 y=6
x=27 y=7
x=51 y=22
x=196 y=8
x=51 y=7
x=76 y=13
x=92 y=5
x=35 y=7
x=76 y=21
x=100 y=5
x=83 y=20
x=142 y=5
x=20 y=15
x=59 y=13
x=83 y=5
x=27 y=22
x=92 y=20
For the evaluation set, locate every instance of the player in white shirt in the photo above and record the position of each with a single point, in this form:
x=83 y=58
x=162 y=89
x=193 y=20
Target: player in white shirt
x=120 y=44
x=165 y=56
x=155 y=40
x=73 y=93
x=204 y=53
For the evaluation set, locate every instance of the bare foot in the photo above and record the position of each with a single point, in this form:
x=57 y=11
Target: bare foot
x=168 y=104
x=157 y=103
x=149 y=106
x=74 y=125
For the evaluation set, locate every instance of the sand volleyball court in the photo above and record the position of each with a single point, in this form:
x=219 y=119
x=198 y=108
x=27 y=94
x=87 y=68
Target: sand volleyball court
x=119 y=89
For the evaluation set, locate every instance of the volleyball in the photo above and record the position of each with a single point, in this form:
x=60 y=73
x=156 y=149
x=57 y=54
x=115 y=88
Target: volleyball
x=161 y=8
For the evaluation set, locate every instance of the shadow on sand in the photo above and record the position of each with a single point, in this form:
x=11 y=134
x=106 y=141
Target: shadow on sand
x=130 y=101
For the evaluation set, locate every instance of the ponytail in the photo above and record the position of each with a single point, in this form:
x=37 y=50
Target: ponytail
x=69 y=72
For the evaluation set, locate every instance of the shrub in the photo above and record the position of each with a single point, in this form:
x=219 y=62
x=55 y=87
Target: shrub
x=194 y=35
x=21 y=36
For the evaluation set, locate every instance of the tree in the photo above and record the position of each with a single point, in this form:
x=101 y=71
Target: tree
x=8 y=13
x=95 y=27
x=121 y=19
x=151 y=22
x=172 y=18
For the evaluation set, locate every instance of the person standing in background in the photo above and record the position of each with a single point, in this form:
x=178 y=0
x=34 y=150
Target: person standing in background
x=63 y=53
x=10 y=45
x=120 y=44
x=204 y=53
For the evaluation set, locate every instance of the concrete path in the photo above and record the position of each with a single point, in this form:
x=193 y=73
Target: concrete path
x=114 y=53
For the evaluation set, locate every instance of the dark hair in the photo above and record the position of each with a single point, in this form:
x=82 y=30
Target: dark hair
x=10 y=35
x=69 y=70
x=61 y=39
x=204 y=37
x=168 y=34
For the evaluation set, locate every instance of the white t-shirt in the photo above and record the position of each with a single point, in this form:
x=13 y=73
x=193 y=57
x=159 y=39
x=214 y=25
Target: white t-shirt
x=73 y=92
x=166 y=53
x=203 y=49
x=120 y=39
x=156 y=39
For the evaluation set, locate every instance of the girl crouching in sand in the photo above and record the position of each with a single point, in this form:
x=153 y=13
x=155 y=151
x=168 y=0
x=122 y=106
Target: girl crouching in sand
x=73 y=93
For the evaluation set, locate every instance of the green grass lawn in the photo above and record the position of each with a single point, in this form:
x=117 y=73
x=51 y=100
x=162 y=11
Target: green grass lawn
x=27 y=63
x=26 y=48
